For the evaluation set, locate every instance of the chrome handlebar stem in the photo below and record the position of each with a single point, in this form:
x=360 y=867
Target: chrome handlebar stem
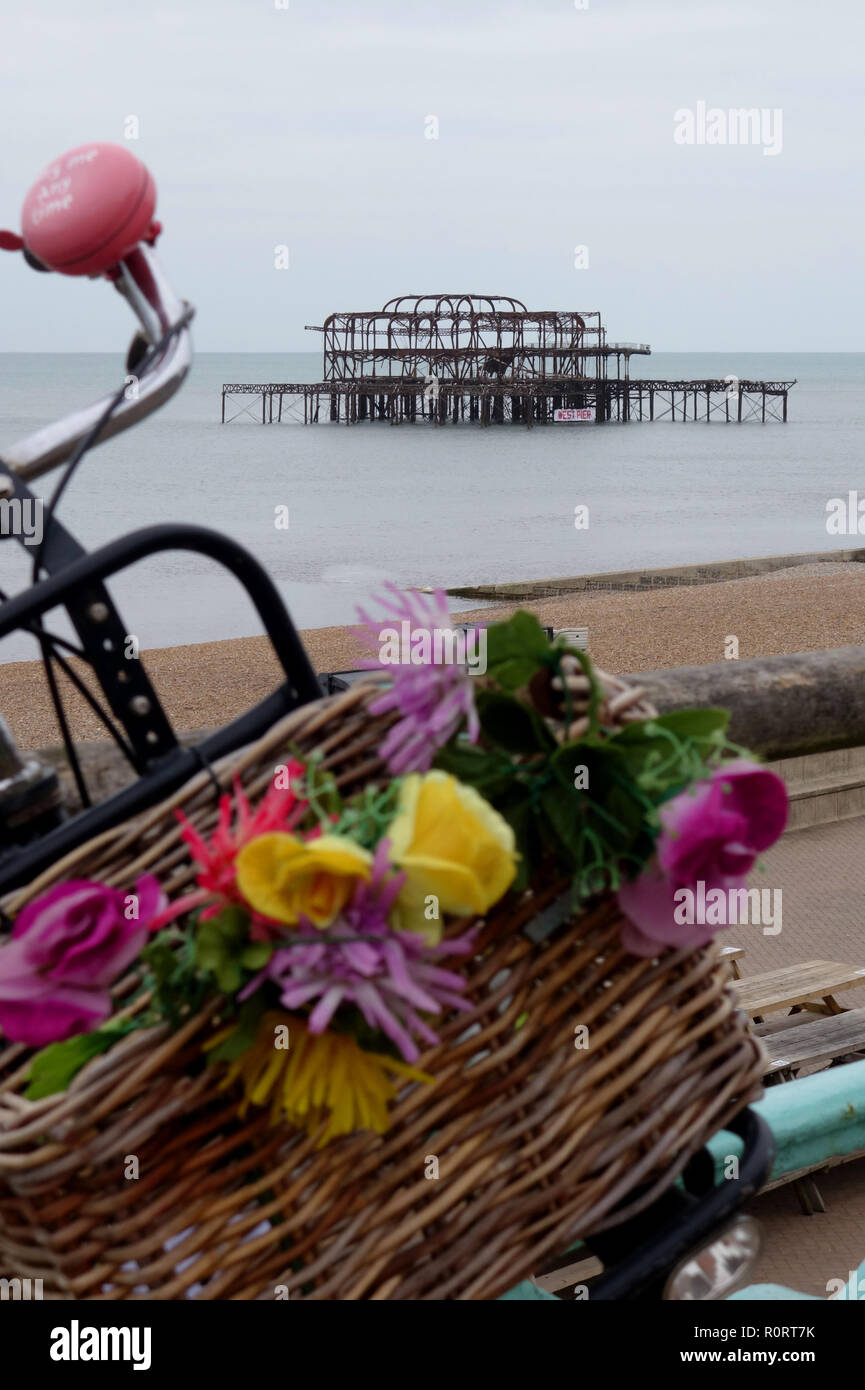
x=141 y=281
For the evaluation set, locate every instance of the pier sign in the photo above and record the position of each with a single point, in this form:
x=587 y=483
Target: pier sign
x=585 y=413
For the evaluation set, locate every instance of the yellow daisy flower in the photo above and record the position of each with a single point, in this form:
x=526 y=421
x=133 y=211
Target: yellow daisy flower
x=318 y=1077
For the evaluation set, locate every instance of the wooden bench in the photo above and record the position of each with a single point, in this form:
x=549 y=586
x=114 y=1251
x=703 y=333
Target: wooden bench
x=733 y=955
x=823 y=1039
x=820 y=1033
x=811 y=985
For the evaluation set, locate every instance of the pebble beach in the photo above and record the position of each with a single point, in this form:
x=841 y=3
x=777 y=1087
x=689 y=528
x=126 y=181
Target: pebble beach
x=809 y=607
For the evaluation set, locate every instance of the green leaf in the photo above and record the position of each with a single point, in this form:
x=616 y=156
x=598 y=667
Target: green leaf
x=625 y=817
x=351 y=1023
x=170 y=971
x=489 y=772
x=516 y=649
x=701 y=725
x=566 y=819
x=219 y=947
x=159 y=958
x=321 y=791
x=365 y=816
x=256 y=955
x=511 y=724
x=518 y=810
x=223 y=949
x=54 y=1067
x=601 y=822
x=245 y=1033
x=663 y=755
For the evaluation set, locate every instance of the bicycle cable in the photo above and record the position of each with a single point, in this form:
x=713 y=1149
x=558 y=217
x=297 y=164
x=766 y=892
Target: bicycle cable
x=48 y=642
x=94 y=432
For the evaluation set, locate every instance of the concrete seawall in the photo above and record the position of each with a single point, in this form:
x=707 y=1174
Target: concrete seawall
x=669 y=577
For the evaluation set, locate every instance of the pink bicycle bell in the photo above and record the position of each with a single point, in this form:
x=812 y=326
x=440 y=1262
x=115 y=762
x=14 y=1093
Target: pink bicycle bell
x=89 y=209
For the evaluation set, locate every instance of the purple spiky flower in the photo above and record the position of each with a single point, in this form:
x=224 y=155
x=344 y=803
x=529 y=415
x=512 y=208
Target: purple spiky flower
x=388 y=975
x=433 y=697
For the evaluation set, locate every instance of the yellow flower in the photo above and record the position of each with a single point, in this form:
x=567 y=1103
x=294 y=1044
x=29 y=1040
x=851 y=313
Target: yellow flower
x=452 y=846
x=317 y=1078
x=283 y=877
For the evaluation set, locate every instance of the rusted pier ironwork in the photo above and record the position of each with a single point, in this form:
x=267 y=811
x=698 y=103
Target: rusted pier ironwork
x=487 y=359
x=528 y=402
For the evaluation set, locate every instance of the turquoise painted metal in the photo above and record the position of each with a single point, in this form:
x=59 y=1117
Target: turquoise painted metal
x=814 y=1120
x=854 y=1290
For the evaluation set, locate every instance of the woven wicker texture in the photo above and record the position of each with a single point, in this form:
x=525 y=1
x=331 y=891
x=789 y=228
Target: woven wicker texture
x=538 y=1141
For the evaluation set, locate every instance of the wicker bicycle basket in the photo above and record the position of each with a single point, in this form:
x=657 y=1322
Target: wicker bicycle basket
x=537 y=1142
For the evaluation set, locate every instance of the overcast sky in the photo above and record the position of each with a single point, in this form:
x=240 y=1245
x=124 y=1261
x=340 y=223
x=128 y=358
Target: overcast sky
x=306 y=126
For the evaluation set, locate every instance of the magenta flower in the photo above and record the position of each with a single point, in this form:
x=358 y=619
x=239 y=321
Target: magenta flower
x=67 y=949
x=431 y=691
x=388 y=975
x=710 y=835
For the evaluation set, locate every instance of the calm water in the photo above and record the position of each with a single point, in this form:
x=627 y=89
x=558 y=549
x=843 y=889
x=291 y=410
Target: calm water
x=444 y=506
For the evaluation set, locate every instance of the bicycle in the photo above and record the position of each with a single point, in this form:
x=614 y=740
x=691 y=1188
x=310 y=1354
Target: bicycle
x=92 y=214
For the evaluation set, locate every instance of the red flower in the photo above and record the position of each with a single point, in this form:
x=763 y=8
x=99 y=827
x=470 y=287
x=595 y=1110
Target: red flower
x=279 y=810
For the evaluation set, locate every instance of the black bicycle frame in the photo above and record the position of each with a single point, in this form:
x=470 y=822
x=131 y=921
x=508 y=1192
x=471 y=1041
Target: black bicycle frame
x=77 y=584
x=640 y=1254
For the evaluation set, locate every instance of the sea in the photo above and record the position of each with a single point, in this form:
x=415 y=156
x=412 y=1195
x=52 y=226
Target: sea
x=419 y=505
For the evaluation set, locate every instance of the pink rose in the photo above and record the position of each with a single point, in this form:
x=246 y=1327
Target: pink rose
x=710 y=833
x=67 y=948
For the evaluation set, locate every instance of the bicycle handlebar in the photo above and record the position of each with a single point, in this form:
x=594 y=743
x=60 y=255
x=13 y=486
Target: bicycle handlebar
x=142 y=283
x=91 y=214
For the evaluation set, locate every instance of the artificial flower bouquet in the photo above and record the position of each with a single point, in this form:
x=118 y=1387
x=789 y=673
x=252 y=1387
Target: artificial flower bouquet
x=329 y=933
x=409 y=1008
x=316 y=922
